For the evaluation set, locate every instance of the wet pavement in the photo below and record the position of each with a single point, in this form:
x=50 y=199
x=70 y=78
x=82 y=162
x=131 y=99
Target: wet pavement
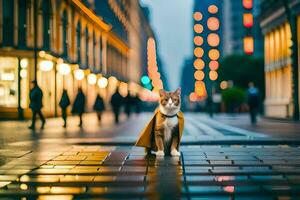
x=90 y=163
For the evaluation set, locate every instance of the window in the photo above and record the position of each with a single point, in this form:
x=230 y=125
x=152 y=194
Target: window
x=65 y=33
x=8 y=23
x=22 y=23
x=46 y=7
x=78 y=36
x=8 y=81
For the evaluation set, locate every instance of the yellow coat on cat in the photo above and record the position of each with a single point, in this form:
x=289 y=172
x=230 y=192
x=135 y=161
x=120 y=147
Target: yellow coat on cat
x=146 y=138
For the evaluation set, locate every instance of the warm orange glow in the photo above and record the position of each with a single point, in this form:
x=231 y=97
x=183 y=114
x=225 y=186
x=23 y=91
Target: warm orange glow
x=213 y=23
x=213 y=75
x=248 y=45
x=213 y=65
x=193 y=97
x=213 y=39
x=200 y=88
x=199 y=64
x=198 y=52
x=214 y=54
x=199 y=75
x=197 y=16
x=248 y=20
x=224 y=85
x=198 y=40
x=213 y=9
x=248 y=4
x=198 y=28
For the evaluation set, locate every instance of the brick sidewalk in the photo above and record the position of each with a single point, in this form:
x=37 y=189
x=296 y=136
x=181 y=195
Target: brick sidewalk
x=114 y=172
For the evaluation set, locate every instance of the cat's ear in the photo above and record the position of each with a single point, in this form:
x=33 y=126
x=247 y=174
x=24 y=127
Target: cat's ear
x=178 y=91
x=162 y=92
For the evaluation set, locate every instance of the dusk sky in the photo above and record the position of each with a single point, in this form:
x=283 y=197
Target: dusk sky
x=172 y=23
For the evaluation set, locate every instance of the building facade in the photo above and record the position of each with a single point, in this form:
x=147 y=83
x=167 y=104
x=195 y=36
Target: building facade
x=234 y=30
x=67 y=44
x=281 y=66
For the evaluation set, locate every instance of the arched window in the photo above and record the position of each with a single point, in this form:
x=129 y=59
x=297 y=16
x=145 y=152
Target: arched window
x=8 y=22
x=47 y=14
x=78 y=37
x=65 y=33
x=87 y=39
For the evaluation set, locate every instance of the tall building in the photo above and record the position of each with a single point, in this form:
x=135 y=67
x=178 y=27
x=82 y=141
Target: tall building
x=234 y=31
x=281 y=62
x=68 y=44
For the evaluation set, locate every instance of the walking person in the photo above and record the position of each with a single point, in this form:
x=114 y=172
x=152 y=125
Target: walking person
x=99 y=107
x=128 y=104
x=79 y=105
x=36 y=104
x=116 y=103
x=64 y=103
x=253 y=102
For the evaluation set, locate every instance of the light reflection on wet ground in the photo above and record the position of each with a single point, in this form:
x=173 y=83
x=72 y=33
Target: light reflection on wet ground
x=114 y=172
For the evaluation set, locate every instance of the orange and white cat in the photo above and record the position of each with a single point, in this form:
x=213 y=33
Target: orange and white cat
x=166 y=123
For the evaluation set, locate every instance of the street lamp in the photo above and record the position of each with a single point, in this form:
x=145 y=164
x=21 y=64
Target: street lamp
x=79 y=74
x=92 y=79
x=102 y=82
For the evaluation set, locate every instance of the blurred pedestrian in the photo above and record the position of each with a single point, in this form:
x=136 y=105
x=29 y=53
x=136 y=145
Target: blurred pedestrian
x=253 y=101
x=79 y=105
x=36 y=104
x=116 y=103
x=99 y=107
x=129 y=104
x=137 y=103
x=64 y=103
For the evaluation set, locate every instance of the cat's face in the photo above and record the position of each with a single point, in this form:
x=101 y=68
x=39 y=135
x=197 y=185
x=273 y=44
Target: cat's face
x=170 y=100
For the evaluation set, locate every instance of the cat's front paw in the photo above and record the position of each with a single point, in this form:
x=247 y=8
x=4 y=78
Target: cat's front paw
x=160 y=153
x=174 y=152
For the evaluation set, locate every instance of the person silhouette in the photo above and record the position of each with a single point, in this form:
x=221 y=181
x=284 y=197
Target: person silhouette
x=116 y=103
x=253 y=101
x=99 y=107
x=64 y=103
x=36 y=104
x=79 y=105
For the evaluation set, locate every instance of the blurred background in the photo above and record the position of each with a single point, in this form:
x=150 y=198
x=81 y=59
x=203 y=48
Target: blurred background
x=211 y=49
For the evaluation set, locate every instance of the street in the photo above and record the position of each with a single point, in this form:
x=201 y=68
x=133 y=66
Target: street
x=218 y=161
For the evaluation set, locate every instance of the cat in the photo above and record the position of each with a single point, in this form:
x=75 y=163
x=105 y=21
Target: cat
x=166 y=128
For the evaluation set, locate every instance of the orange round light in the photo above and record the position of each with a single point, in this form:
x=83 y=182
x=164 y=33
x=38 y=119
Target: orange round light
x=213 y=39
x=198 y=52
x=213 y=75
x=213 y=23
x=198 y=40
x=214 y=54
x=198 y=28
x=199 y=75
x=213 y=65
x=200 y=88
x=199 y=64
x=213 y=9
x=193 y=96
x=197 y=16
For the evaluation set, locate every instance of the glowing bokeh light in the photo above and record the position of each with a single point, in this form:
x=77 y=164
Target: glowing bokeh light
x=198 y=28
x=213 y=23
x=198 y=40
x=213 y=65
x=193 y=97
x=46 y=65
x=199 y=75
x=102 y=82
x=198 y=52
x=248 y=20
x=248 y=45
x=214 y=54
x=92 y=79
x=213 y=9
x=197 y=16
x=213 y=39
x=79 y=74
x=213 y=75
x=248 y=4
x=63 y=68
x=199 y=64
x=224 y=85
